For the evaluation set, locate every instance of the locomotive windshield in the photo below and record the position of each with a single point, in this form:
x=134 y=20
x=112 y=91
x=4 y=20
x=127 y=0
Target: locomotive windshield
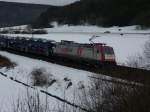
x=108 y=50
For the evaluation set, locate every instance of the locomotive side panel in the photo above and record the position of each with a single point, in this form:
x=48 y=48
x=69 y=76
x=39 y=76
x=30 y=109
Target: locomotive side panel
x=77 y=51
x=66 y=50
x=87 y=53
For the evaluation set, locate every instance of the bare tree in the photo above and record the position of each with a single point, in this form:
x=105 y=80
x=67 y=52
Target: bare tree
x=92 y=97
x=114 y=97
x=121 y=98
x=141 y=60
x=136 y=61
x=31 y=102
x=147 y=54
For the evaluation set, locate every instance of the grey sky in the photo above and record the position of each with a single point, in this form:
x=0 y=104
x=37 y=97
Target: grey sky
x=51 y=2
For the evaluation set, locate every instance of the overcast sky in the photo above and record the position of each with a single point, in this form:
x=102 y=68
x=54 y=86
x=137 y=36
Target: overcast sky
x=50 y=2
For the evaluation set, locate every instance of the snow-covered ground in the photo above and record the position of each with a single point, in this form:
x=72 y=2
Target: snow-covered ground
x=10 y=91
x=95 y=29
x=124 y=46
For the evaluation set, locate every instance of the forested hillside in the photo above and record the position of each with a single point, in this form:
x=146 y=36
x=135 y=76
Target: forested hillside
x=18 y=13
x=99 y=12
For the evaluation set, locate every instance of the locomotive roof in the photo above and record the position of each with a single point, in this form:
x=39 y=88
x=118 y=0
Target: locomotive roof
x=72 y=43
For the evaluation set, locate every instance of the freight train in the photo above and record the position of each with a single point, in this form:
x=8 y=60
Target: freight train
x=94 y=53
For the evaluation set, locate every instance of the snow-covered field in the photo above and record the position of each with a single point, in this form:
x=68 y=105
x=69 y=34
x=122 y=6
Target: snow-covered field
x=9 y=90
x=124 y=46
x=91 y=29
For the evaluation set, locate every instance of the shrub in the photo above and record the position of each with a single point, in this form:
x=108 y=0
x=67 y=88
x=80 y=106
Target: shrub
x=121 y=98
x=141 y=61
x=4 y=32
x=39 y=31
x=40 y=77
x=5 y=62
x=114 y=97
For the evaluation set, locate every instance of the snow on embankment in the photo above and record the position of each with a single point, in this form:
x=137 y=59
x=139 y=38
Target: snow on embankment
x=16 y=96
x=124 y=46
x=26 y=65
x=10 y=91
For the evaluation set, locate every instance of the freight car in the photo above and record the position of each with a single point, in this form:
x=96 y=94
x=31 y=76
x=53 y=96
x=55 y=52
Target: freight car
x=28 y=45
x=95 y=53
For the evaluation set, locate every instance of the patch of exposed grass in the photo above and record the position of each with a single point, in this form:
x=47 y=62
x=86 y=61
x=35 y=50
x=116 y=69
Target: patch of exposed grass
x=5 y=62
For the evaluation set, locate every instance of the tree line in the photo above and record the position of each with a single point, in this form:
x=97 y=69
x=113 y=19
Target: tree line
x=98 y=12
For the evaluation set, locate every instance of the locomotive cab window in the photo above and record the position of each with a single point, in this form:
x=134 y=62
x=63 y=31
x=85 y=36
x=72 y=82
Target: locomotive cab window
x=108 y=50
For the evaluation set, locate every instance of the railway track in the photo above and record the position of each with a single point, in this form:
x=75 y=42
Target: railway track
x=117 y=71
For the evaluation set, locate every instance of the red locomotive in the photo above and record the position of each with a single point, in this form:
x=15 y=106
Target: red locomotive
x=94 y=53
